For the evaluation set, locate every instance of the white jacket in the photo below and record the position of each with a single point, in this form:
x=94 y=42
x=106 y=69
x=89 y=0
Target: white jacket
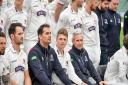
x=66 y=64
x=117 y=68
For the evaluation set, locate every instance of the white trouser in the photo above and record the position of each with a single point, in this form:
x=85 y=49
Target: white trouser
x=94 y=55
x=29 y=44
x=56 y=79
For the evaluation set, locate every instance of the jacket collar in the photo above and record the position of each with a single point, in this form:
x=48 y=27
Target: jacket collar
x=110 y=11
x=78 y=51
x=43 y=49
x=99 y=10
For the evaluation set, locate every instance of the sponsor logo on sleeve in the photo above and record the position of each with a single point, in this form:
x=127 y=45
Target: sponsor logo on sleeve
x=34 y=58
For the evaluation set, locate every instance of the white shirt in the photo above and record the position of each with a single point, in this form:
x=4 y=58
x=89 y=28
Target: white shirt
x=117 y=68
x=8 y=3
x=70 y=20
x=90 y=28
x=5 y=5
x=66 y=64
x=18 y=64
x=13 y=16
x=4 y=67
x=38 y=14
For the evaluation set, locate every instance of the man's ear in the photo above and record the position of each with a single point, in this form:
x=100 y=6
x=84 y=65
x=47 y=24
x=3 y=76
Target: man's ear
x=11 y=36
x=40 y=36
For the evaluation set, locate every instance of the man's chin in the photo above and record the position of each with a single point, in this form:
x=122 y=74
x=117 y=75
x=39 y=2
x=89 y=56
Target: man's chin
x=49 y=42
x=1 y=53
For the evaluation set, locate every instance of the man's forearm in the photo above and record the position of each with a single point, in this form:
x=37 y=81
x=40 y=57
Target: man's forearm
x=28 y=81
x=27 y=78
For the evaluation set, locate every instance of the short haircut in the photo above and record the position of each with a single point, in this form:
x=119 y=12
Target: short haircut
x=75 y=34
x=40 y=30
x=2 y=35
x=62 y=31
x=12 y=28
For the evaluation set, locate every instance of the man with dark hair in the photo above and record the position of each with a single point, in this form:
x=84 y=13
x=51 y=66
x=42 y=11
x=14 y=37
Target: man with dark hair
x=103 y=25
x=125 y=23
x=17 y=58
x=117 y=69
x=12 y=28
x=42 y=60
x=114 y=28
x=4 y=65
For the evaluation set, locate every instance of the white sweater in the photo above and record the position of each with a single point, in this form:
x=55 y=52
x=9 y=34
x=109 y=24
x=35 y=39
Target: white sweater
x=117 y=68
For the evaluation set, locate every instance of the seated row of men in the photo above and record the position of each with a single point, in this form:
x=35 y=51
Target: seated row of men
x=58 y=66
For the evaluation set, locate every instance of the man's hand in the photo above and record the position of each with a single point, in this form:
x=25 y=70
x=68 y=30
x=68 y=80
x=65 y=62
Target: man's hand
x=13 y=82
x=84 y=83
x=103 y=83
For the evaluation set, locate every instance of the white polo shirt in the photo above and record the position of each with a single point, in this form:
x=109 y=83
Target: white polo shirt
x=18 y=64
x=38 y=14
x=70 y=20
x=90 y=28
x=13 y=16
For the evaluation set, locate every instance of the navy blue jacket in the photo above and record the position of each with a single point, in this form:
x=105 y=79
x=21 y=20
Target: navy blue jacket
x=83 y=66
x=42 y=62
x=126 y=23
x=103 y=25
x=113 y=32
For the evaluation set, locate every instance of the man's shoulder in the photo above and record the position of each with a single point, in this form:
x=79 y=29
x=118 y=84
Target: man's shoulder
x=34 y=50
x=70 y=51
x=126 y=13
x=117 y=14
x=65 y=13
